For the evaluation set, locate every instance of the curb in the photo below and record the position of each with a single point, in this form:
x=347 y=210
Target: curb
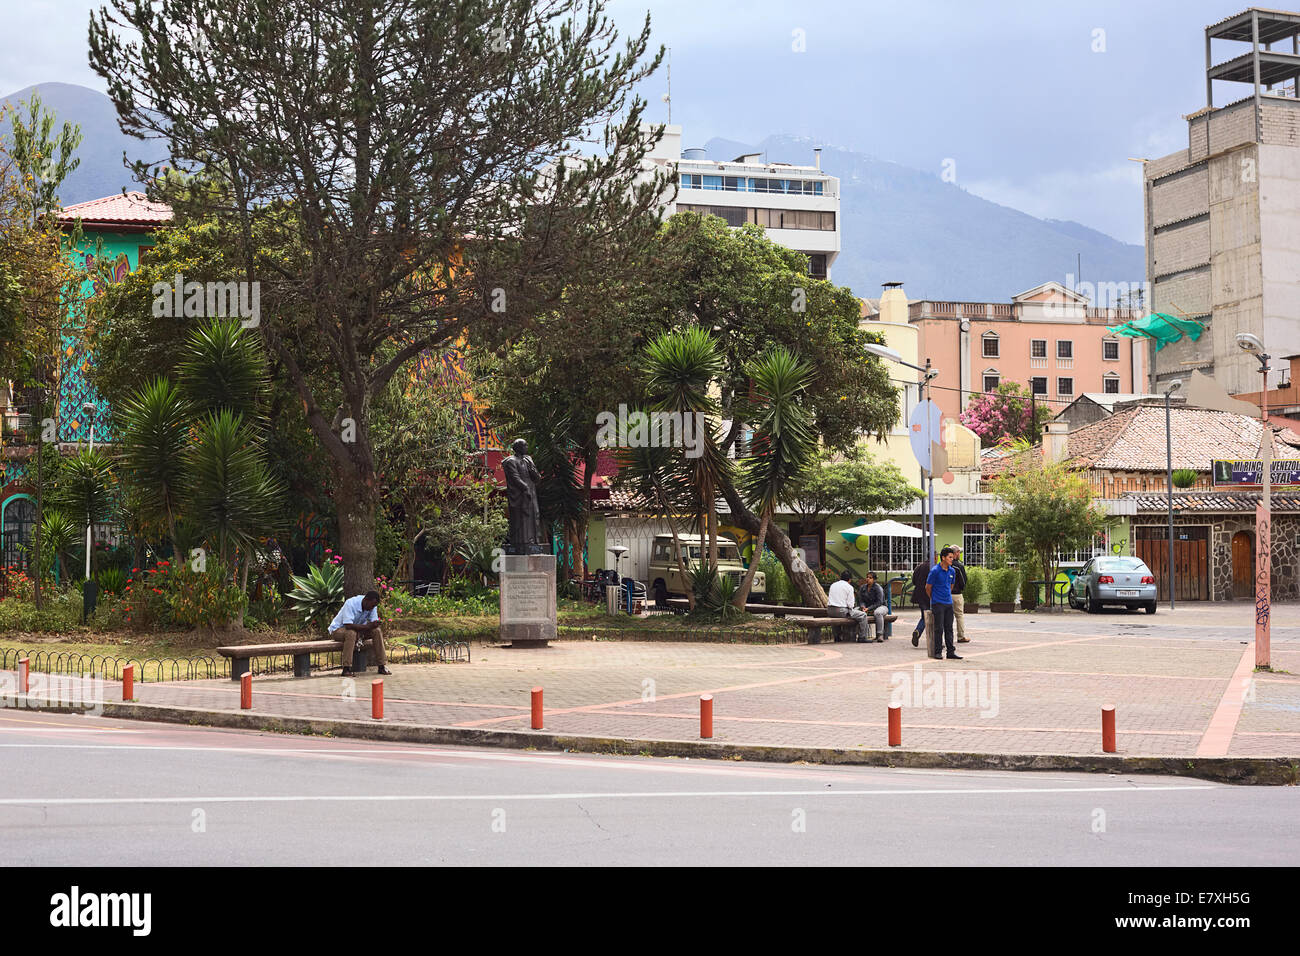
x=1257 y=771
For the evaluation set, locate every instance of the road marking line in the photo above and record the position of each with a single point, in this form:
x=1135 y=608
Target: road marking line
x=1218 y=734
x=199 y=799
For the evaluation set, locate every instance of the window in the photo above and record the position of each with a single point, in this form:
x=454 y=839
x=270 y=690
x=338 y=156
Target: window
x=1064 y=349
x=817 y=265
x=1038 y=385
x=991 y=380
x=1110 y=350
x=896 y=554
x=991 y=345
x=1110 y=384
x=1038 y=348
x=976 y=542
x=1065 y=386
x=691 y=181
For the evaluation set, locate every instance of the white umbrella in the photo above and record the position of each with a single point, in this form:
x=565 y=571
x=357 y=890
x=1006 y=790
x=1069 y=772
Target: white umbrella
x=885 y=529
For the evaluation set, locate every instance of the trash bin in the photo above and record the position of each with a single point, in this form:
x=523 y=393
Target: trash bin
x=612 y=594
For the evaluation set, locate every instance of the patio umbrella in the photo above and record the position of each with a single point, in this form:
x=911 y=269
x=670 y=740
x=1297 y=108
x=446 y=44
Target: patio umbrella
x=885 y=529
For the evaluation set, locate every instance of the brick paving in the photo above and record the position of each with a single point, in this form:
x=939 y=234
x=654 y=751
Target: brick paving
x=1035 y=683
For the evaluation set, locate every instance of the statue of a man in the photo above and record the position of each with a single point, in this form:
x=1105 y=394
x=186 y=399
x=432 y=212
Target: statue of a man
x=521 y=493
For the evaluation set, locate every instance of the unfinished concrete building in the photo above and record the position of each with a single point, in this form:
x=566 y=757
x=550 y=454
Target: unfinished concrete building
x=1223 y=215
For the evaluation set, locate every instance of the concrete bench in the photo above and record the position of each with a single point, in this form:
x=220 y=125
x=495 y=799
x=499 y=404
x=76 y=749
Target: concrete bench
x=814 y=625
x=300 y=651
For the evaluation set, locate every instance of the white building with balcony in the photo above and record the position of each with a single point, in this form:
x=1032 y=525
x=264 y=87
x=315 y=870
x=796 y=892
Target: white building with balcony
x=797 y=206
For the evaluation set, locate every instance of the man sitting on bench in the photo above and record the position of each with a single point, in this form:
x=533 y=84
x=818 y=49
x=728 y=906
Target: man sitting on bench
x=358 y=617
x=871 y=597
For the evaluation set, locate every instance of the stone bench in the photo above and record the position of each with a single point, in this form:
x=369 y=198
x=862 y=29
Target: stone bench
x=300 y=651
x=814 y=625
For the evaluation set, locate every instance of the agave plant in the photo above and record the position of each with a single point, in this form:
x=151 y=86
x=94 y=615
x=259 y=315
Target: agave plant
x=318 y=595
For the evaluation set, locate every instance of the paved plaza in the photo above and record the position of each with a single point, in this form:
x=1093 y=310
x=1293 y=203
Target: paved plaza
x=1183 y=684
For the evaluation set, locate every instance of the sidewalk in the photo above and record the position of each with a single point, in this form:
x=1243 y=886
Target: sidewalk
x=1035 y=684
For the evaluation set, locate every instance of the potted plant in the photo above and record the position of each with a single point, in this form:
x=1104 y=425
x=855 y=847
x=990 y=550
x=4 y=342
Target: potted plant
x=1029 y=593
x=976 y=584
x=1185 y=477
x=1002 y=590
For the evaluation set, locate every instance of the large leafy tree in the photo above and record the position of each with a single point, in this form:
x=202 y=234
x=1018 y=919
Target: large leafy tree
x=852 y=482
x=413 y=142
x=1046 y=509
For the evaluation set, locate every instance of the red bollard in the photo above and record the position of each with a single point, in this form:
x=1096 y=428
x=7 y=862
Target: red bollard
x=246 y=691
x=706 y=717
x=24 y=668
x=537 y=708
x=895 y=725
x=128 y=682
x=1108 y=728
x=377 y=699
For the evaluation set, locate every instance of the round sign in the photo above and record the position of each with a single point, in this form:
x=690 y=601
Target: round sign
x=1062 y=583
x=1115 y=549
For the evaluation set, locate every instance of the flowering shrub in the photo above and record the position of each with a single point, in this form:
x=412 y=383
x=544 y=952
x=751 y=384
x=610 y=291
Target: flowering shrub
x=204 y=598
x=1005 y=414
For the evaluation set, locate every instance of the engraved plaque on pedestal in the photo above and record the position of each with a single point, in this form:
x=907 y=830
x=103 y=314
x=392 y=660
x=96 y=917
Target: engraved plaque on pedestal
x=528 y=600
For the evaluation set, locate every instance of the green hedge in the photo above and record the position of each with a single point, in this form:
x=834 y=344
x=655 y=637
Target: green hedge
x=1002 y=585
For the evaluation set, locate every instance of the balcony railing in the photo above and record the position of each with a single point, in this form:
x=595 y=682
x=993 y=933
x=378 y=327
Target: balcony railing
x=1037 y=362
x=1065 y=363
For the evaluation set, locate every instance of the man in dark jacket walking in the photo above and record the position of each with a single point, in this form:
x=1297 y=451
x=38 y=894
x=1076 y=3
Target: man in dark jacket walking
x=919 y=575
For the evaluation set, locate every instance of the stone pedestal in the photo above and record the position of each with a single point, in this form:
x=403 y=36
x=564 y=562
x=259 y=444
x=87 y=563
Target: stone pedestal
x=528 y=600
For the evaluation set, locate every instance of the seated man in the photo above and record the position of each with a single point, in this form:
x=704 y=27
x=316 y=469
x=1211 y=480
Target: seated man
x=840 y=603
x=359 y=617
x=871 y=598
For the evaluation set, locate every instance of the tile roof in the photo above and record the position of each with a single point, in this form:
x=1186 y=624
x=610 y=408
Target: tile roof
x=1215 y=501
x=1133 y=439
x=133 y=208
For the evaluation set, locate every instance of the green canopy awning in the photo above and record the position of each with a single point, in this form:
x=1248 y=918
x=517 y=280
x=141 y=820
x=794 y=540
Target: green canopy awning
x=1162 y=327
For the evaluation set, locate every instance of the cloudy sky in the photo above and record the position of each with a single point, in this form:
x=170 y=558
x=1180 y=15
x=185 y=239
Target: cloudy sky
x=1035 y=104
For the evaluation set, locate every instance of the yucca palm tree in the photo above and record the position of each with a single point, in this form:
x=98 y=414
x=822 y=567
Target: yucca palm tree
x=680 y=370
x=85 y=487
x=156 y=433
x=645 y=471
x=60 y=536
x=224 y=368
x=785 y=441
x=230 y=494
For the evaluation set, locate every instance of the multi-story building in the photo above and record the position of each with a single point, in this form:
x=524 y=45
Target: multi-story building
x=797 y=206
x=1223 y=215
x=1048 y=339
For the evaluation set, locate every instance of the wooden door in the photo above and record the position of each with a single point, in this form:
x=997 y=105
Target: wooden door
x=1243 y=565
x=1191 y=571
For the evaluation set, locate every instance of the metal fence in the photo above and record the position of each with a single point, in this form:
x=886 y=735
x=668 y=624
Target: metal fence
x=428 y=648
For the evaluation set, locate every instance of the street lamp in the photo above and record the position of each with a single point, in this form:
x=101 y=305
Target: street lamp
x=928 y=374
x=89 y=410
x=1174 y=386
x=1263 y=517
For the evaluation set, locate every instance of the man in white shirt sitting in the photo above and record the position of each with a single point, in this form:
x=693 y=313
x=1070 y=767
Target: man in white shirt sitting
x=359 y=618
x=841 y=601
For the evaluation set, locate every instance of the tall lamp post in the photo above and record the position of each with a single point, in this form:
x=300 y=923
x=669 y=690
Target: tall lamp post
x=1263 y=516
x=89 y=410
x=1174 y=386
x=928 y=374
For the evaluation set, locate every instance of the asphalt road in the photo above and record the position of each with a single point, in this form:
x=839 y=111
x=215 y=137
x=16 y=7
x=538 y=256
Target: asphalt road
x=93 y=791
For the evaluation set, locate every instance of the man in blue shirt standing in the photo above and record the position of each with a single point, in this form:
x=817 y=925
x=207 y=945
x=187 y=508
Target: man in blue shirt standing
x=359 y=618
x=938 y=587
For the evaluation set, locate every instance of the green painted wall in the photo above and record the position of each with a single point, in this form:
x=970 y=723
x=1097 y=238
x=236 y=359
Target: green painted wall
x=596 y=556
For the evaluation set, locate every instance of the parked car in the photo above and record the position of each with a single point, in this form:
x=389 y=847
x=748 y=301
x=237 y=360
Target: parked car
x=1109 y=579
x=664 y=574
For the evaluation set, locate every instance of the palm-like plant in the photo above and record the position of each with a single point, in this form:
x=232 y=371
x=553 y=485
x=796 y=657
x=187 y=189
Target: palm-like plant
x=230 y=494
x=680 y=369
x=784 y=441
x=224 y=368
x=85 y=487
x=154 y=440
x=59 y=539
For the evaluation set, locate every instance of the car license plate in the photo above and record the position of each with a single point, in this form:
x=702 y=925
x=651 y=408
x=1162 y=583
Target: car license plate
x=1127 y=592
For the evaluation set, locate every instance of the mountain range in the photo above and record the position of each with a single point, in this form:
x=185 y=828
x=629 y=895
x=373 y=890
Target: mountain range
x=897 y=224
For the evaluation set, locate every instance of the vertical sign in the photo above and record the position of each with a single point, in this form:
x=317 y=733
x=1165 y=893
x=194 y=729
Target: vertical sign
x=1263 y=569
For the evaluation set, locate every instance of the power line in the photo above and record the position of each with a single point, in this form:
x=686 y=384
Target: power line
x=971 y=391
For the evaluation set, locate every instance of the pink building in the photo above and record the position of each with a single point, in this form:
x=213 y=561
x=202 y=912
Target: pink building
x=1048 y=339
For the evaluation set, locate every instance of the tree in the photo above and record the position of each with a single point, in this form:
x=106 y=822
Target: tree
x=784 y=441
x=850 y=483
x=156 y=433
x=1046 y=508
x=1006 y=414
x=398 y=158
x=85 y=487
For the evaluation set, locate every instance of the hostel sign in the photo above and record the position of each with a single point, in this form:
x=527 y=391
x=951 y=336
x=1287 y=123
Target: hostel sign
x=1249 y=473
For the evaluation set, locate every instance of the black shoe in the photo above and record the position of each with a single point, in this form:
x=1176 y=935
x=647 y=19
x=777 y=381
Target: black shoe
x=954 y=657
x=347 y=672
x=916 y=638
x=384 y=670
x=863 y=640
